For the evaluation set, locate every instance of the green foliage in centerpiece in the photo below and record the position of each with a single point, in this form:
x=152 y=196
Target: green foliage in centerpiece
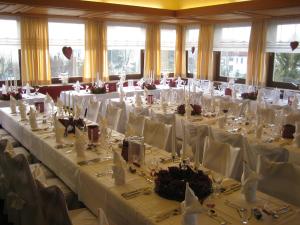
x=98 y=90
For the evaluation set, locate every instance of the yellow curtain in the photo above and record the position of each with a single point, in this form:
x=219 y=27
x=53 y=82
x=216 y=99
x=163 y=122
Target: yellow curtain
x=35 y=58
x=95 y=60
x=152 y=53
x=205 y=52
x=179 y=51
x=183 y=56
x=256 y=73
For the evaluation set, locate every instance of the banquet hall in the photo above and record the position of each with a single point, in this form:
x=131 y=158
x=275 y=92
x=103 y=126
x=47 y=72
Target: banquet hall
x=136 y=112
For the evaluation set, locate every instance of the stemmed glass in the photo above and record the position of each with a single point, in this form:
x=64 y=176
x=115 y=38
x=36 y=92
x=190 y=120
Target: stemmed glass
x=217 y=180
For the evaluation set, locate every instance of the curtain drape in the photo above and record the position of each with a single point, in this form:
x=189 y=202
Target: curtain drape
x=256 y=73
x=95 y=51
x=152 y=52
x=35 y=57
x=205 y=52
x=179 y=51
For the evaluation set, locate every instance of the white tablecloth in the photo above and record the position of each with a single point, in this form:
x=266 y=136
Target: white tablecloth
x=97 y=192
x=30 y=99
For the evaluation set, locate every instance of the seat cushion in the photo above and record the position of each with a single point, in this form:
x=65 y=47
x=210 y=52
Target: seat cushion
x=82 y=217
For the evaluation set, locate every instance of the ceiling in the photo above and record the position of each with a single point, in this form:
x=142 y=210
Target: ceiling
x=167 y=11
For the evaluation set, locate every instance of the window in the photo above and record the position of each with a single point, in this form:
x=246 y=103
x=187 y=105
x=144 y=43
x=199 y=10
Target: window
x=125 y=45
x=231 y=42
x=9 y=50
x=285 y=62
x=61 y=35
x=167 y=48
x=191 y=48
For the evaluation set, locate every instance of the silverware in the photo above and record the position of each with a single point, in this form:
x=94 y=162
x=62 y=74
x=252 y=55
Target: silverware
x=137 y=192
x=86 y=162
x=232 y=188
x=102 y=174
x=212 y=214
x=163 y=216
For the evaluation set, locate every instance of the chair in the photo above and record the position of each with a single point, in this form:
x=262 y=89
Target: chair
x=123 y=116
x=267 y=115
x=279 y=179
x=93 y=110
x=156 y=133
x=135 y=125
x=56 y=213
x=113 y=115
x=221 y=157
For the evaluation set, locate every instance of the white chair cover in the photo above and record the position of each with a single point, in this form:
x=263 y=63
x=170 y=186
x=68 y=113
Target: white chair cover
x=221 y=157
x=135 y=125
x=281 y=180
x=123 y=116
x=93 y=110
x=156 y=134
x=113 y=115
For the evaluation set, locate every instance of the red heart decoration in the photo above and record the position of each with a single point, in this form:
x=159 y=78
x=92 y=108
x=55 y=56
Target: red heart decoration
x=294 y=45
x=67 y=51
x=193 y=49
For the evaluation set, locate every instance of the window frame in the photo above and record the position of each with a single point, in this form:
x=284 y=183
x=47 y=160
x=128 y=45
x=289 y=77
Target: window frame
x=132 y=76
x=270 y=71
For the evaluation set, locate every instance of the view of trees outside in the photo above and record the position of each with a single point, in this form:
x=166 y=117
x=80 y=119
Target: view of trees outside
x=233 y=64
x=122 y=61
x=167 y=61
x=287 y=67
x=192 y=61
x=9 y=63
x=60 y=65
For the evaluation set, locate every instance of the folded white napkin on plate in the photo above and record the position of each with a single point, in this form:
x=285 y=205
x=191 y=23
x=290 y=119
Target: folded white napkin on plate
x=102 y=219
x=259 y=131
x=79 y=142
x=27 y=88
x=60 y=106
x=59 y=130
x=22 y=109
x=13 y=104
x=78 y=110
x=32 y=119
x=188 y=110
x=77 y=86
x=119 y=168
x=249 y=182
x=191 y=207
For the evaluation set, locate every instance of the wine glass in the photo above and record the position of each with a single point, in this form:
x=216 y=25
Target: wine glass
x=217 y=181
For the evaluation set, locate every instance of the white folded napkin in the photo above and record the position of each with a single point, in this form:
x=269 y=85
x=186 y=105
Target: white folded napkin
x=249 y=182
x=260 y=95
x=119 y=168
x=4 y=91
x=78 y=110
x=59 y=130
x=27 y=88
x=10 y=149
x=13 y=104
x=136 y=150
x=146 y=93
x=188 y=110
x=259 y=131
x=77 y=86
x=32 y=119
x=79 y=143
x=102 y=219
x=22 y=109
x=179 y=82
x=59 y=103
x=222 y=121
x=122 y=94
x=191 y=207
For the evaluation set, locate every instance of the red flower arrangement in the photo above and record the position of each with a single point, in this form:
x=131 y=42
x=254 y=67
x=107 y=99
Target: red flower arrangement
x=98 y=90
x=196 y=109
x=6 y=97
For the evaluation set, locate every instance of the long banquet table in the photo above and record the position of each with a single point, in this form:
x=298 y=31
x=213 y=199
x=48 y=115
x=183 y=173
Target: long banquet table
x=30 y=99
x=100 y=191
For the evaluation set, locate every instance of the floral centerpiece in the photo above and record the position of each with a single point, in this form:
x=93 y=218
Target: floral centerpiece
x=249 y=95
x=171 y=183
x=6 y=97
x=149 y=86
x=98 y=89
x=196 y=109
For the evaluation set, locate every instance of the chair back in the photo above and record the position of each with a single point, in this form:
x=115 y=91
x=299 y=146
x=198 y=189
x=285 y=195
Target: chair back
x=93 y=110
x=113 y=115
x=135 y=125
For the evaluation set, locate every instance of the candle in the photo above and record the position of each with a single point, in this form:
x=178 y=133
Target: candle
x=97 y=76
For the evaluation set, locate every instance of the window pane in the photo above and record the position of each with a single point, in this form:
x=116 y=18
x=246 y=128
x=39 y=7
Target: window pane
x=9 y=50
x=167 y=46
x=233 y=64
x=124 y=44
x=287 y=68
x=192 y=62
x=124 y=61
x=70 y=35
x=167 y=61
